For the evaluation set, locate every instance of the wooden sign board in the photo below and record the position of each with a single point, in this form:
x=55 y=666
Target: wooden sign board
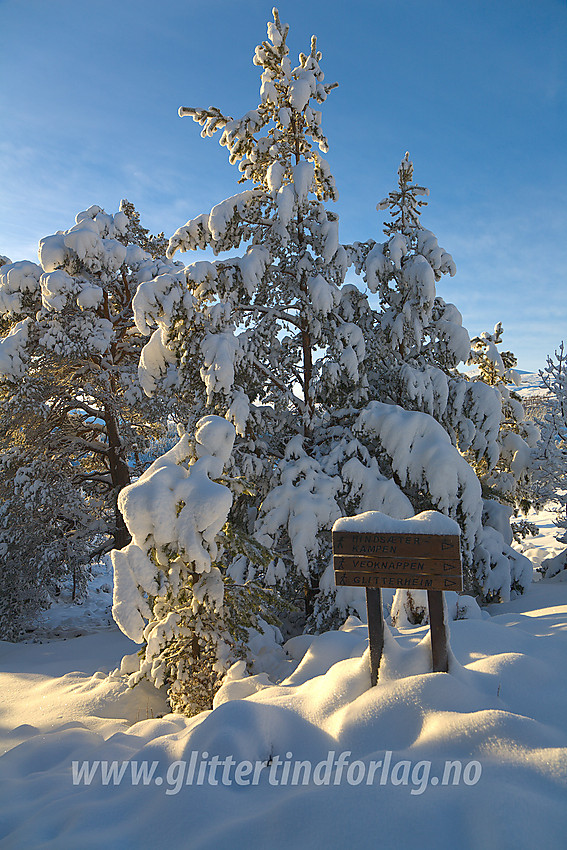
x=418 y=561
x=430 y=562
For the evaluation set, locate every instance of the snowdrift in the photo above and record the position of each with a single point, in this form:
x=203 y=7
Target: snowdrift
x=90 y=763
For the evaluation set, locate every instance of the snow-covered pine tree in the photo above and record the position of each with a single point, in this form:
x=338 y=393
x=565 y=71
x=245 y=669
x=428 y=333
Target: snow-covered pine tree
x=277 y=342
x=69 y=351
x=173 y=589
x=423 y=342
x=270 y=339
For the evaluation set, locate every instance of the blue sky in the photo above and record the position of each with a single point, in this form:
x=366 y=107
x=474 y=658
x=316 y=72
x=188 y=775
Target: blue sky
x=476 y=91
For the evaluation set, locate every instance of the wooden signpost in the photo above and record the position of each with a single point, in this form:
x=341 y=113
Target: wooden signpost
x=374 y=560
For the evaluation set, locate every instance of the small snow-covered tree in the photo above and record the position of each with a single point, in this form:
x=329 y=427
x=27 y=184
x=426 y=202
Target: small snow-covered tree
x=554 y=379
x=178 y=588
x=553 y=447
x=509 y=479
x=494 y=366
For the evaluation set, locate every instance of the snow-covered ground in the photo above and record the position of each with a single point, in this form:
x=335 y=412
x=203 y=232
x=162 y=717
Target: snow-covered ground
x=315 y=758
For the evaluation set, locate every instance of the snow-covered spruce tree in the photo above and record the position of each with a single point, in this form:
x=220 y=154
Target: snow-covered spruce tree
x=423 y=342
x=174 y=589
x=69 y=351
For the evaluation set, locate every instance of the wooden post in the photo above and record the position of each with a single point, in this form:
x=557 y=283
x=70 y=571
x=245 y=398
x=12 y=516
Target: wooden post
x=375 y=630
x=438 y=628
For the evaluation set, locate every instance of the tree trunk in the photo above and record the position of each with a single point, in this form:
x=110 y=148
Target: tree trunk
x=120 y=476
x=306 y=341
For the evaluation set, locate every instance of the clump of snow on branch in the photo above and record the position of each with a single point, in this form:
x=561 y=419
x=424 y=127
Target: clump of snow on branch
x=176 y=508
x=304 y=503
x=421 y=454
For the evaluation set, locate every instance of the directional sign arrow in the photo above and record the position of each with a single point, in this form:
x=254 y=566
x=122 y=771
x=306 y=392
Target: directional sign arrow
x=446 y=544
x=451 y=582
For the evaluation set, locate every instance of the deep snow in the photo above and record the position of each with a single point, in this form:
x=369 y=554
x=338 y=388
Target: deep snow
x=503 y=706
